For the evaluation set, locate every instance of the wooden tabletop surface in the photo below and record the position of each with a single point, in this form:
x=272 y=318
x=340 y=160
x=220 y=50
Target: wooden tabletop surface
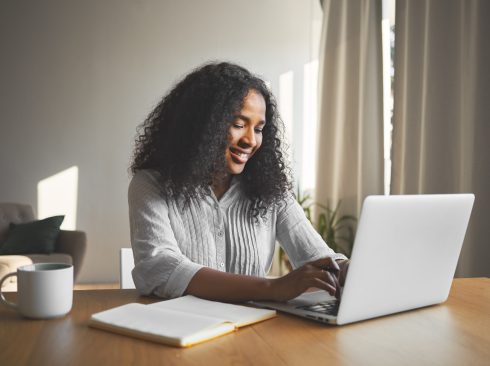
x=454 y=333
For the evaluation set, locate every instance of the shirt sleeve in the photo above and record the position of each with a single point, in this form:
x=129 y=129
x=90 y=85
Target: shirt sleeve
x=160 y=267
x=297 y=236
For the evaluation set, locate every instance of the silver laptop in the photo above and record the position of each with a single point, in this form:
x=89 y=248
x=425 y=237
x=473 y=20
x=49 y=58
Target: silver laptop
x=404 y=257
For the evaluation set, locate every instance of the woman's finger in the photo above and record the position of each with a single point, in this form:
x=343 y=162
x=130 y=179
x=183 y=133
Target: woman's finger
x=338 y=286
x=330 y=279
x=318 y=283
x=326 y=263
x=343 y=273
x=334 y=281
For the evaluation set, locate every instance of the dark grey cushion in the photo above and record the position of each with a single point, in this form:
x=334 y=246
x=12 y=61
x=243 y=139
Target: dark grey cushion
x=36 y=237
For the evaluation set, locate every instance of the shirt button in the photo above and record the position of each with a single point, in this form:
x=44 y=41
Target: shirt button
x=216 y=206
x=220 y=233
x=221 y=264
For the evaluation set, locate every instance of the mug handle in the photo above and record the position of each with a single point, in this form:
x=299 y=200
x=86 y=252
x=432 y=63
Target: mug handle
x=2 y=298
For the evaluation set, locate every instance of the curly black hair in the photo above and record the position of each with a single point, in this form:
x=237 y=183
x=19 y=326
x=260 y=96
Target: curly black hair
x=185 y=137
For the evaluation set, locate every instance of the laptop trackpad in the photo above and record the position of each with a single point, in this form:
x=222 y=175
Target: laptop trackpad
x=309 y=298
x=317 y=302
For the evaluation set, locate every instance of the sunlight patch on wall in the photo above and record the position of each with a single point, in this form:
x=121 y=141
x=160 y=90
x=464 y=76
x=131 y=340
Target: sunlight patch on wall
x=58 y=195
x=309 y=125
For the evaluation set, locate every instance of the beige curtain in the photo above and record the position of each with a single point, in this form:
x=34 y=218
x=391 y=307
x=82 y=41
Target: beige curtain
x=441 y=125
x=350 y=157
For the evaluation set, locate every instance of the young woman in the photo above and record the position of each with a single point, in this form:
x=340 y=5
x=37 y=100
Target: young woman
x=210 y=195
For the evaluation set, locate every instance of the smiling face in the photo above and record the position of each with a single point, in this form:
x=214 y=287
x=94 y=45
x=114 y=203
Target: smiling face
x=245 y=133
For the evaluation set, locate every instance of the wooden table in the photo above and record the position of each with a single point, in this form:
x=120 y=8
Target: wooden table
x=455 y=333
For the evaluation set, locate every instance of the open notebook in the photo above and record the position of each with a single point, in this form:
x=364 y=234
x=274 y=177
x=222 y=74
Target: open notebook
x=180 y=322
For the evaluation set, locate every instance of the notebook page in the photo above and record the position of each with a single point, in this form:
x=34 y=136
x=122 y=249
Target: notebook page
x=238 y=314
x=165 y=325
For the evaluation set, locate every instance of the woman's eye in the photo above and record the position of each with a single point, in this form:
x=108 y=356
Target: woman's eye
x=258 y=130
x=236 y=125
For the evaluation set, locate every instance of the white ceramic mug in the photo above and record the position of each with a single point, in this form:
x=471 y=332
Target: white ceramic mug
x=44 y=290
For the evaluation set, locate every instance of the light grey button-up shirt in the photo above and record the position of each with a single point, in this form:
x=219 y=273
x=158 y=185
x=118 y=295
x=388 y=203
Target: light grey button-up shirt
x=171 y=242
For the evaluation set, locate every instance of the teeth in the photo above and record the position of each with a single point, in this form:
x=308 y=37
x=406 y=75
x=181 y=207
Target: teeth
x=240 y=154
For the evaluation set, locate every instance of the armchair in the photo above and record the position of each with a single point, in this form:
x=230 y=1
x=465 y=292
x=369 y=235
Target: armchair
x=70 y=245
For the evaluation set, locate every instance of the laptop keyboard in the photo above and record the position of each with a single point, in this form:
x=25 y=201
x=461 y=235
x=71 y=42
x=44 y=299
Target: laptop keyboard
x=327 y=307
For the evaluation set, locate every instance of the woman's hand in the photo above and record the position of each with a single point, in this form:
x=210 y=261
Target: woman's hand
x=323 y=273
x=344 y=267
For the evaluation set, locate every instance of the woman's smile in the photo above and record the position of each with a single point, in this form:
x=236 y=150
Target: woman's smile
x=239 y=156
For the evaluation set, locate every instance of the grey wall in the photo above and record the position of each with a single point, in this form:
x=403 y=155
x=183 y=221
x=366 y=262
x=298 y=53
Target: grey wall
x=77 y=77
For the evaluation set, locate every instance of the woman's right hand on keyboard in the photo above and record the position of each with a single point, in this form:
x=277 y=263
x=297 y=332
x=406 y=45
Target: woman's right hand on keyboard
x=322 y=274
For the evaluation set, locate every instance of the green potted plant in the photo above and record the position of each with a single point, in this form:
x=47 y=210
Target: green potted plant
x=335 y=229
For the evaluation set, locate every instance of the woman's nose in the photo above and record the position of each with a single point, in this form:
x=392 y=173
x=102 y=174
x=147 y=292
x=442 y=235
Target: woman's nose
x=249 y=137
